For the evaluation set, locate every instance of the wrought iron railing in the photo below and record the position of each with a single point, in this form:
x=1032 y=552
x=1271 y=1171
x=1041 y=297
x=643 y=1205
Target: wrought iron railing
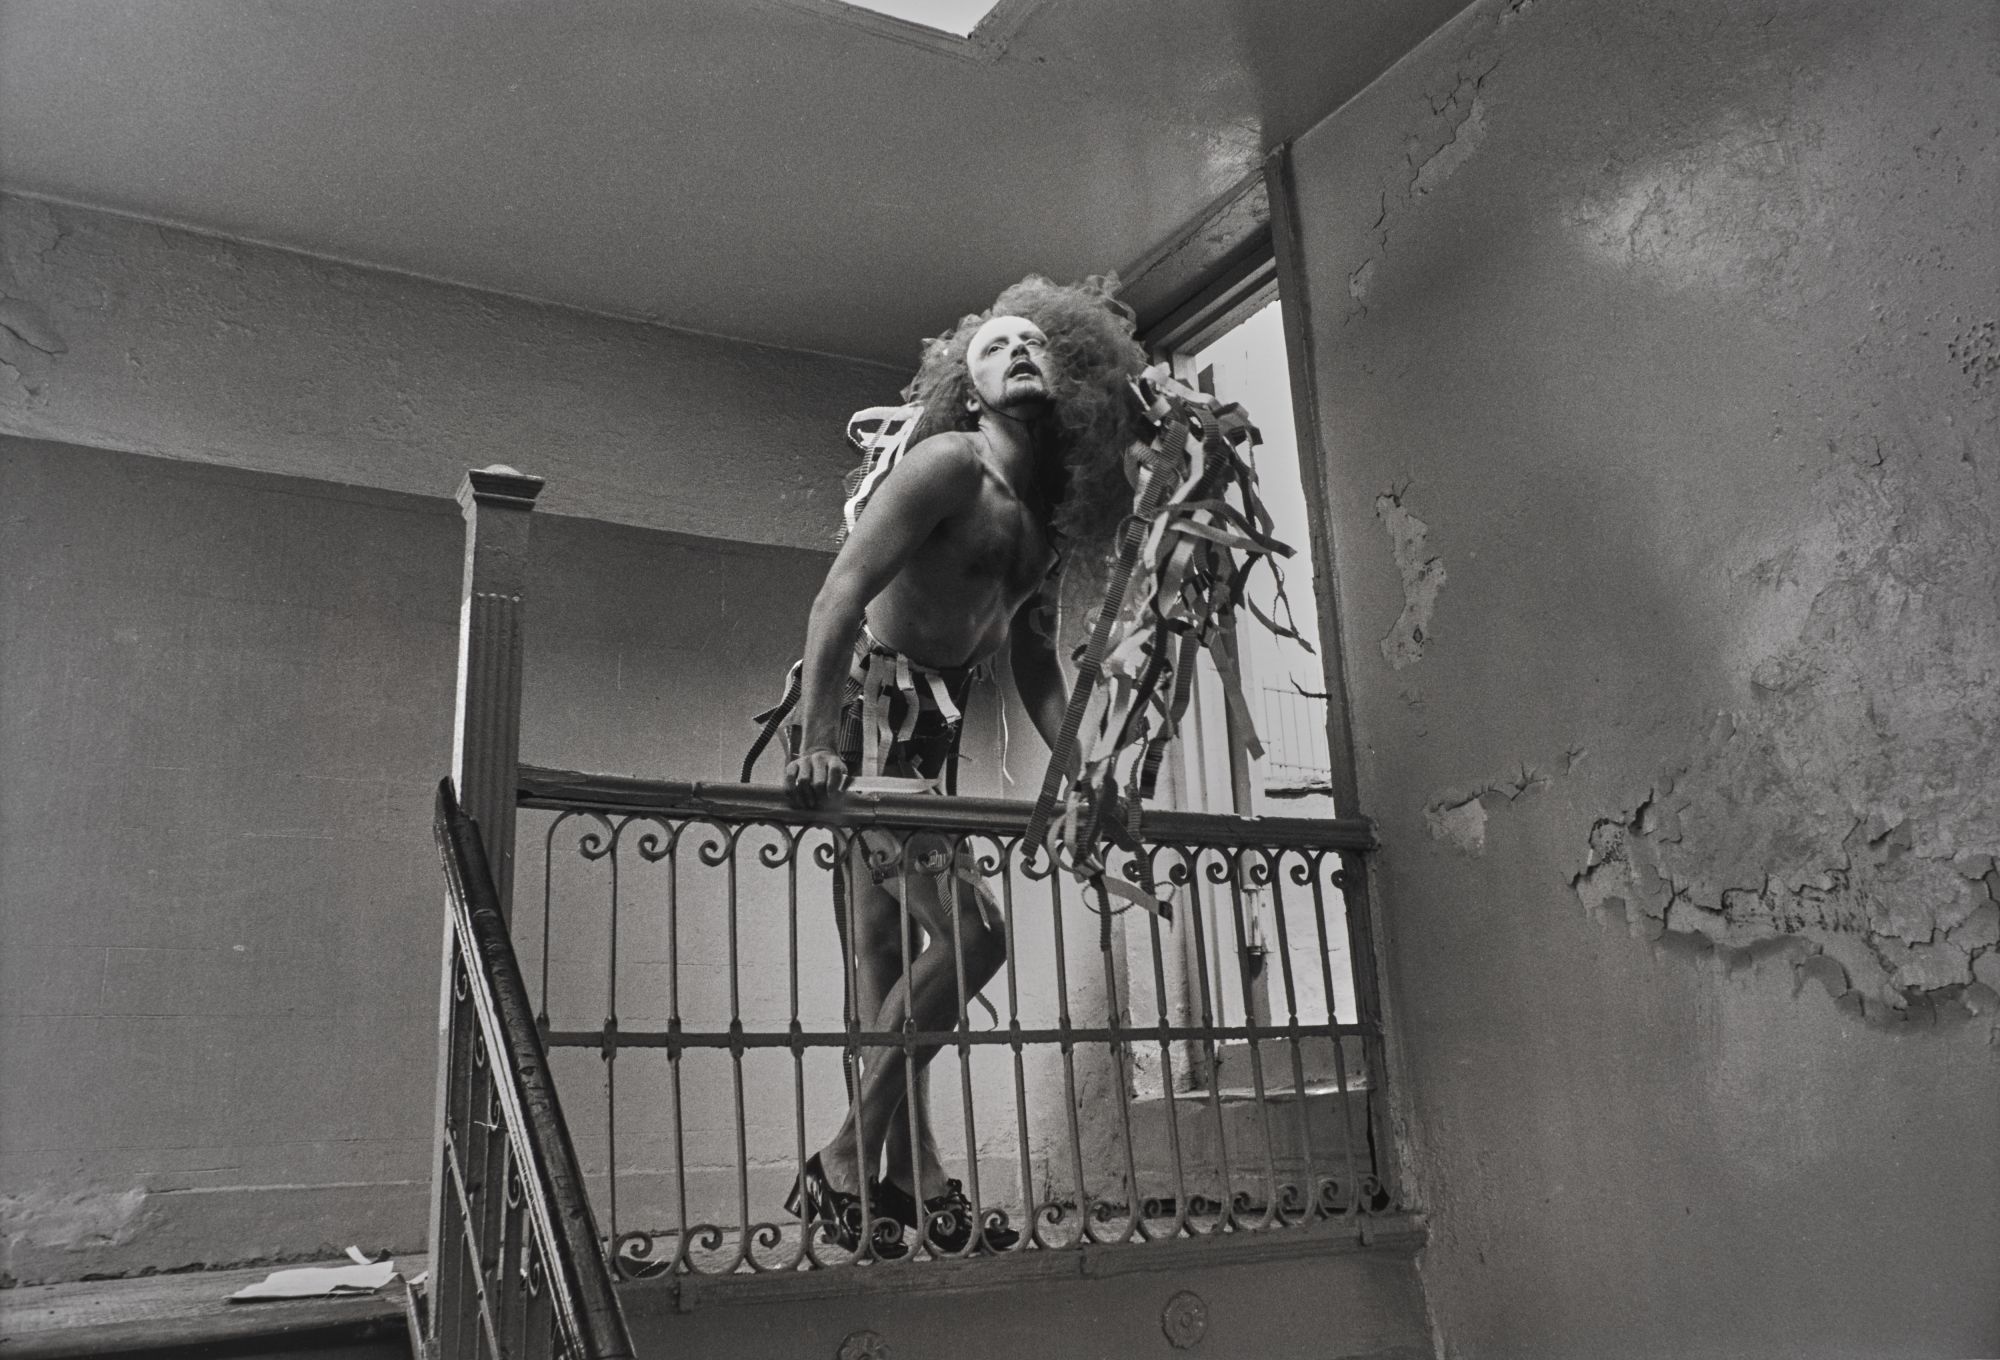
x=517 y=1266
x=1215 y=1076
x=684 y=937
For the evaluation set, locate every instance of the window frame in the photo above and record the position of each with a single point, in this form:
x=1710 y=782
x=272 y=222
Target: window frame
x=1266 y=262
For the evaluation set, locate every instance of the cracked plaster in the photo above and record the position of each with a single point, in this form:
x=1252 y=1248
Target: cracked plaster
x=46 y=1218
x=1423 y=577
x=1458 y=817
x=1439 y=144
x=1850 y=810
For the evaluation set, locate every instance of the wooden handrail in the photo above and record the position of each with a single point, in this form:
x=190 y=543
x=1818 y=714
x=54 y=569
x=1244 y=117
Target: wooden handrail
x=562 y=790
x=586 y=1309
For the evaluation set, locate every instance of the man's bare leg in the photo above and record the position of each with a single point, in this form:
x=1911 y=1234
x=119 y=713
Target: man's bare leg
x=929 y=995
x=876 y=928
x=898 y=1166
x=924 y=1177
x=927 y=1169
x=872 y=926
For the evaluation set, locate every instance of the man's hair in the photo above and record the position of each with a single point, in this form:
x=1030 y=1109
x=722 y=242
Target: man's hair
x=1081 y=478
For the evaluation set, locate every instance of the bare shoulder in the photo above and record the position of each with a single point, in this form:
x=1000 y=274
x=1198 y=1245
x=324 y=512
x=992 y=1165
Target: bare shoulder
x=946 y=466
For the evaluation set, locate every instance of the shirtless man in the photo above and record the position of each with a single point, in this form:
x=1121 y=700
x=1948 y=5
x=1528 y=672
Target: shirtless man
x=943 y=571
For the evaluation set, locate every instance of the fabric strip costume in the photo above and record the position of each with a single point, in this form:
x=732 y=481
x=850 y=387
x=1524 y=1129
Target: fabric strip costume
x=1197 y=531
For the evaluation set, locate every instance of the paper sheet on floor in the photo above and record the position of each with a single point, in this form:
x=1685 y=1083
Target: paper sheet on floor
x=319 y=1282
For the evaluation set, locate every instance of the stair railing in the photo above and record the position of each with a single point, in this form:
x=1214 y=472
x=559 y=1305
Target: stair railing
x=518 y=1270
x=517 y=1266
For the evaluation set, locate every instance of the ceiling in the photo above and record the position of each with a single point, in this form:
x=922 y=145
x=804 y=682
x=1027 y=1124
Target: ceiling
x=769 y=169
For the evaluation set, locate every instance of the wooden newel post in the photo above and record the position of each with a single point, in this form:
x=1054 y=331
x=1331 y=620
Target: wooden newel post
x=486 y=732
x=485 y=754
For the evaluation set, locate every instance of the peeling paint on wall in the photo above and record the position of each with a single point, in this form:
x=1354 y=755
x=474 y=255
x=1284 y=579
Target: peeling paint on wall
x=1358 y=281
x=76 y=1221
x=1887 y=915
x=1466 y=135
x=1976 y=351
x=29 y=324
x=1851 y=810
x=1444 y=136
x=1423 y=578
x=1458 y=816
x=1461 y=824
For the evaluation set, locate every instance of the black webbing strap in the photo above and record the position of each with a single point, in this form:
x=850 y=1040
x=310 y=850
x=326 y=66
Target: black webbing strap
x=773 y=719
x=1177 y=706
x=1158 y=487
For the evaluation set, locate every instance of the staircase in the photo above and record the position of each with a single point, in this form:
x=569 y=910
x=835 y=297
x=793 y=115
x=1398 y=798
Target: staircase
x=188 y=1314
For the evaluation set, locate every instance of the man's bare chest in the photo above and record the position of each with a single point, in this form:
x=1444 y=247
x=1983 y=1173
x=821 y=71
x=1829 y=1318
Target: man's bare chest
x=997 y=542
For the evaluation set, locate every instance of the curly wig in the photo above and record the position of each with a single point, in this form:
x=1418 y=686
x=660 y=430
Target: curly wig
x=1093 y=418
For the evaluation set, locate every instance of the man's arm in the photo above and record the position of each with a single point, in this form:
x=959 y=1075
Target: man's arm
x=1038 y=677
x=935 y=480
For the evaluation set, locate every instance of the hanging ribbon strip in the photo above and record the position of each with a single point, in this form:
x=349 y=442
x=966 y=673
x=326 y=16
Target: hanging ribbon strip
x=1197 y=531
x=882 y=435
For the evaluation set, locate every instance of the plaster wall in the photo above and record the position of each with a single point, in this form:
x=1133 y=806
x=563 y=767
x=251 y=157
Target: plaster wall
x=225 y=698
x=122 y=334
x=1656 y=367
x=228 y=693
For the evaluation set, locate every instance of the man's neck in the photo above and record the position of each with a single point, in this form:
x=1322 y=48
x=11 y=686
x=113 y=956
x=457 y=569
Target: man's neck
x=1012 y=442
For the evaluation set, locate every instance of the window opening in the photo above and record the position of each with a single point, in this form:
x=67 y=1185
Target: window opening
x=1286 y=689
x=974 y=29
x=956 y=17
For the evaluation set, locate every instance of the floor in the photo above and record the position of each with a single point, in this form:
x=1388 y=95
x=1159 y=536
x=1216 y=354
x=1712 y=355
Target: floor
x=189 y=1314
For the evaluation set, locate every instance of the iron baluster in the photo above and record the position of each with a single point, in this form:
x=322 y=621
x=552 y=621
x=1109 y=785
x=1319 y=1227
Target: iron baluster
x=1167 y=1081
x=609 y=1047
x=1210 y=1004
x=1084 y=1203
x=730 y=844
x=957 y=888
x=1032 y=1205
x=1309 y=1196
x=911 y=1093
x=1312 y=870
x=1119 y=1045
x=683 y=1229
x=796 y=1029
x=1237 y=873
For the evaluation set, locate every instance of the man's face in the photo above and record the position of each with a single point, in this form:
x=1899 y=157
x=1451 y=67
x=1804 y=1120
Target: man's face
x=1008 y=361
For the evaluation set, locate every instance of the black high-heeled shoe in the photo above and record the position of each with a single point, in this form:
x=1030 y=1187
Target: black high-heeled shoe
x=815 y=1199
x=947 y=1218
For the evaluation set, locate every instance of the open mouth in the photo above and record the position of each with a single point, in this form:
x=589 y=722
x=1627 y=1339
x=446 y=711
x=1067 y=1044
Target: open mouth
x=1023 y=368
